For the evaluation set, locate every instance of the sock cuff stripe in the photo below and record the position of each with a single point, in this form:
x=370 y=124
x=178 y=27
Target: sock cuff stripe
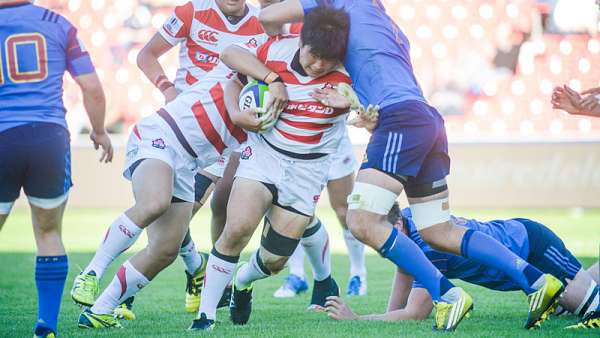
x=230 y=259
x=48 y=279
x=389 y=243
x=464 y=245
x=53 y=267
x=50 y=273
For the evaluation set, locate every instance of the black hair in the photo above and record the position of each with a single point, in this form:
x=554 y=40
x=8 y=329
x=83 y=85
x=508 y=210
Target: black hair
x=325 y=30
x=394 y=214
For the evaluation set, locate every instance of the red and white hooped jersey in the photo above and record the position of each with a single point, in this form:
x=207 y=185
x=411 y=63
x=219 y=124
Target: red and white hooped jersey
x=306 y=125
x=199 y=112
x=203 y=32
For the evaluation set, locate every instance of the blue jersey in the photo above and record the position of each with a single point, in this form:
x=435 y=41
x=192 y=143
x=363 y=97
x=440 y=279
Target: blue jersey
x=511 y=233
x=36 y=47
x=378 y=56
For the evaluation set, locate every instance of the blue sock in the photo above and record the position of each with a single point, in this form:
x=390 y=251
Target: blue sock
x=50 y=276
x=484 y=249
x=407 y=255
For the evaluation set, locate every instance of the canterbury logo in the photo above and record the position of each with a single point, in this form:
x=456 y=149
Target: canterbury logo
x=221 y=269
x=208 y=36
x=125 y=231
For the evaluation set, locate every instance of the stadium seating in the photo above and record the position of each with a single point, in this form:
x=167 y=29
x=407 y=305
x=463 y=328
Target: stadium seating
x=451 y=43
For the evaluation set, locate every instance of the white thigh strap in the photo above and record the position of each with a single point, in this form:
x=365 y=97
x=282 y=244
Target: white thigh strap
x=430 y=213
x=371 y=198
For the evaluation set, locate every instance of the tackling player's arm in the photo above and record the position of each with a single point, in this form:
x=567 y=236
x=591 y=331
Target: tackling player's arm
x=406 y=303
x=275 y=16
x=244 y=62
x=246 y=119
x=147 y=62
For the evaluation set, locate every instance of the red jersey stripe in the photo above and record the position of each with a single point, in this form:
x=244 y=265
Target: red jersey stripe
x=306 y=125
x=212 y=135
x=216 y=92
x=190 y=79
x=136 y=132
x=281 y=68
x=211 y=18
x=185 y=13
x=312 y=139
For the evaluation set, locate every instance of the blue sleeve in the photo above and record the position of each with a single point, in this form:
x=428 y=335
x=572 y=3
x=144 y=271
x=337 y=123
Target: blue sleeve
x=309 y=5
x=78 y=59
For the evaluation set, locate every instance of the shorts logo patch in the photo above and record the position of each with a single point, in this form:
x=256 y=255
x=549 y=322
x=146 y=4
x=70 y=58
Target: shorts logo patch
x=246 y=153
x=316 y=198
x=159 y=143
x=346 y=160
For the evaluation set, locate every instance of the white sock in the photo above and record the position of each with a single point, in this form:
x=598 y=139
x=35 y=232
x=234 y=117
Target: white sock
x=316 y=247
x=121 y=234
x=451 y=296
x=127 y=282
x=356 y=253
x=191 y=258
x=250 y=272
x=296 y=262
x=218 y=275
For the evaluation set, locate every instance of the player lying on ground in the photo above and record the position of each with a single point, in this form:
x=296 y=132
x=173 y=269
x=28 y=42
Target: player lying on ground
x=238 y=24
x=201 y=34
x=530 y=240
x=408 y=151
x=586 y=103
x=164 y=152
x=284 y=168
x=34 y=139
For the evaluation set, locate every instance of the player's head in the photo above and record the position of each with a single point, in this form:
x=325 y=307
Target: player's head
x=267 y=3
x=232 y=7
x=324 y=38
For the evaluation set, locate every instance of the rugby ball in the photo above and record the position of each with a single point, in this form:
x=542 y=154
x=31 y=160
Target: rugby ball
x=254 y=95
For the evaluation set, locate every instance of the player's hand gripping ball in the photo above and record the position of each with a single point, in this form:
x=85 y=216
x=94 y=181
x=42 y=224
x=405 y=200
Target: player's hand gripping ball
x=255 y=96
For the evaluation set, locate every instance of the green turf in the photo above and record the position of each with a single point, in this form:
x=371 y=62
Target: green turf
x=160 y=306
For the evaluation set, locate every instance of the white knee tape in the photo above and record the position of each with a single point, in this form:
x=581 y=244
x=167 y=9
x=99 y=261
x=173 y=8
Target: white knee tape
x=5 y=207
x=48 y=203
x=371 y=198
x=430 y=213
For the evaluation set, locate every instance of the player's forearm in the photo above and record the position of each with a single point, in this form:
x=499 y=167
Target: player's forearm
x=148 y=63
x=231 y=95
x=242 y=61
x=94 y=101
x=391 y=316
x=275 y=16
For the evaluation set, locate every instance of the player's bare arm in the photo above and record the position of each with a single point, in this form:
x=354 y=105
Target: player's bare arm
x=95 y=106
x=275 y=16
x=147 y=61
x=242 y=61
x=246 y=119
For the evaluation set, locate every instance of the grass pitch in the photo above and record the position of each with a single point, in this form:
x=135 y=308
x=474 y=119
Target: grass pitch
x=160 y=310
